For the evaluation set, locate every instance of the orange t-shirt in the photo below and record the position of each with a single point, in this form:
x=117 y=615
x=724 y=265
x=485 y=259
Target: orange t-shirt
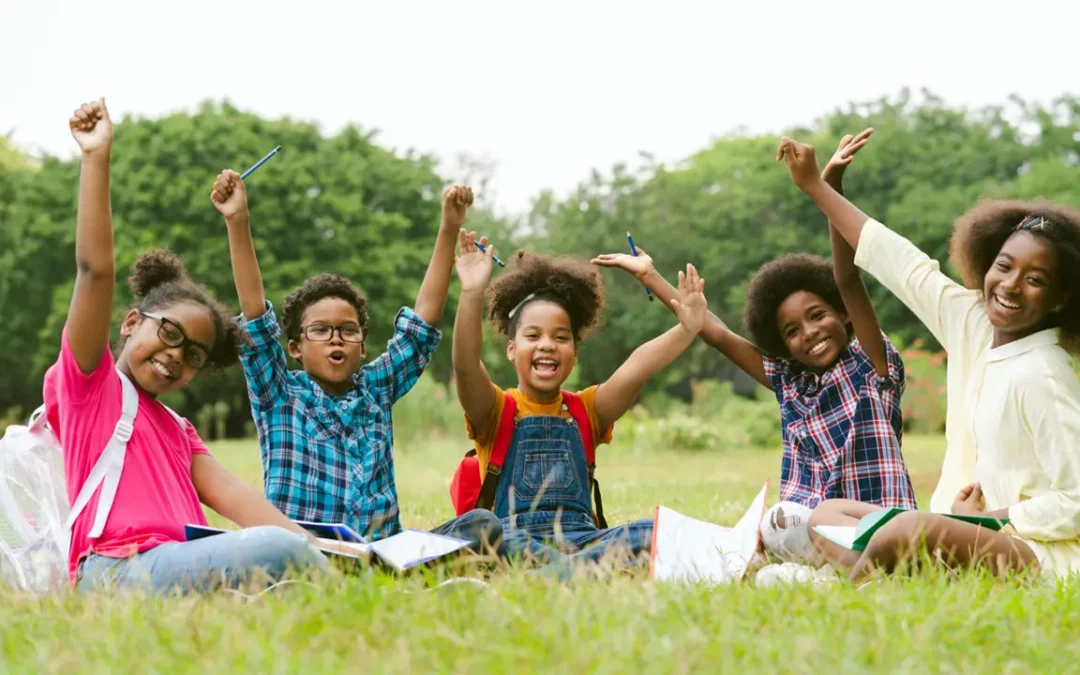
x=526 y=407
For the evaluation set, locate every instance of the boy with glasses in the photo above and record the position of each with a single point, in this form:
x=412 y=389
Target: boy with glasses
x=326 y=432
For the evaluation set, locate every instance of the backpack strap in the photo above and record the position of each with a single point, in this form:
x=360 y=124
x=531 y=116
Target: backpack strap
x=503 y=436
x=110 y=465
x=577 y=410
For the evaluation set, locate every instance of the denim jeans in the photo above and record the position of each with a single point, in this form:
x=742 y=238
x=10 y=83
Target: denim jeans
x=257 y=555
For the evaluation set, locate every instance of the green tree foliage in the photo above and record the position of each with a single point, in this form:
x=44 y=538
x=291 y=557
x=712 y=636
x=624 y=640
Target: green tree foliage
x=342 y=203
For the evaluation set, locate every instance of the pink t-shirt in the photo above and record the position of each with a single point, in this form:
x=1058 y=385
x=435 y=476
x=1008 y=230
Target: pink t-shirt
x=155 y=497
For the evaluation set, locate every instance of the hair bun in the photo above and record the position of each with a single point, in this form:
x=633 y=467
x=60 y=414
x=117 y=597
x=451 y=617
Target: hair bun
x=153 y=269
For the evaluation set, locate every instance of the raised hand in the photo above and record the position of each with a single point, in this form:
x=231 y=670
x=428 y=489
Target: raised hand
x=691 y=306
x=91 y=127
x=473 y=267
x=640 y=265
x=845 y=153
x=801 y=162
x=229 y=194
x=456 y=201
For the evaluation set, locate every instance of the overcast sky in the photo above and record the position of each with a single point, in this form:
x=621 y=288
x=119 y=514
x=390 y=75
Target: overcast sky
x=547 y=90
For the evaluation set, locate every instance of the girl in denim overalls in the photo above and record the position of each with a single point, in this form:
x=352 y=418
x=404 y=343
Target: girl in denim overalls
x=543 y=492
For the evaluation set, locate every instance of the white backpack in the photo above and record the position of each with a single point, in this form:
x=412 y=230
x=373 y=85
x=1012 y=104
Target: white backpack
x=35 y=520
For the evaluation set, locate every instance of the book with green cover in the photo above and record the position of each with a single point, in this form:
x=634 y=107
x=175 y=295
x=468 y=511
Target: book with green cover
x=856 y=538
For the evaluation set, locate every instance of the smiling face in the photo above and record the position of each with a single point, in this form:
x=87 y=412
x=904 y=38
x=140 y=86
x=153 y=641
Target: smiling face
x=327 y=347
x=813 y=331
x=149 y=359
x=1022 y=287
x=542 y=349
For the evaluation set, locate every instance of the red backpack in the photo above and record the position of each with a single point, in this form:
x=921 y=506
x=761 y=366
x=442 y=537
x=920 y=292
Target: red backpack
x=468 y=493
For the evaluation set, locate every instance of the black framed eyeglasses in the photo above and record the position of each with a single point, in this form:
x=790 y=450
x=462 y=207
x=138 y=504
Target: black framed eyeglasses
x=173 y=335
x=321 y=332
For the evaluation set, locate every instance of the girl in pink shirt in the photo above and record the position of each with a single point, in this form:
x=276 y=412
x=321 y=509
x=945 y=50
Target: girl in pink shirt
x=174 y=330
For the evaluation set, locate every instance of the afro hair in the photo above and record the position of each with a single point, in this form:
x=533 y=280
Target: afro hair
x=315 y=289
x=571 y=283
x=979 y=234
x=773 y=283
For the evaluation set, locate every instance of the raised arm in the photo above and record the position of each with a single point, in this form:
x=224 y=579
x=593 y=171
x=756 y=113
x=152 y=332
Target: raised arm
x=431 y=300
x=715 y=332
x=614 y=397
x=90 y=313
x=230 y=198
x=474 y=389
x=848 y=280
x=949 y=310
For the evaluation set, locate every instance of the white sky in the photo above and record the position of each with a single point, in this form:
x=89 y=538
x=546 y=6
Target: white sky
x=548 y=90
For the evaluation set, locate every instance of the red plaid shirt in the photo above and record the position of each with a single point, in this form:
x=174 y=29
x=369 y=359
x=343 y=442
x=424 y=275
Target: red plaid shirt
x=842 y=430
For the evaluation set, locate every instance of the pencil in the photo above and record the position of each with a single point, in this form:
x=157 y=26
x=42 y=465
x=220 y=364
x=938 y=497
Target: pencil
x=633 y=249
x=483 y=249
x=259 y=163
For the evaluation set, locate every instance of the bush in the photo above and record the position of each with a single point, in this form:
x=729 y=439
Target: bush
x=924 y=400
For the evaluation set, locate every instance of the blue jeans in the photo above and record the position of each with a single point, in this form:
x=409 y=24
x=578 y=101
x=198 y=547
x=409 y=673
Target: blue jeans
x=257 y=555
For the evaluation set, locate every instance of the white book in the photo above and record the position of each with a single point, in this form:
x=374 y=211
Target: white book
x=687 y=550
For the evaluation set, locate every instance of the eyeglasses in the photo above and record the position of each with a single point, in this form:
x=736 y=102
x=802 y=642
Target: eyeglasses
x=321 y=332
x=173 y=335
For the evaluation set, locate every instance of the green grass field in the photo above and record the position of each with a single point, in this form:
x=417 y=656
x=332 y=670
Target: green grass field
x=523 y=624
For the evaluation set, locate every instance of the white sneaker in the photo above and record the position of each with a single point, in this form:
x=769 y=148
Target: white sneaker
x=794 y=573
x=785 y=532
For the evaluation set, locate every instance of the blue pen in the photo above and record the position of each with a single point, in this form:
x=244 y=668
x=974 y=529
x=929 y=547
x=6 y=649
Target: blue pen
x=633 y=249
x=483 y=249
x=259 y=163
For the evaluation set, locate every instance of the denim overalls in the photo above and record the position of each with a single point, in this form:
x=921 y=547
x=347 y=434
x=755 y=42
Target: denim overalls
x=544 y=495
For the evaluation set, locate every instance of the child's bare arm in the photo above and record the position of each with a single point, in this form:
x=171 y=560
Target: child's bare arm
x=715 y=332
x=474 y=388
x=234 y=499
x=230 y=198
x=90 y=313
x=431 y=301
x=614 y=397
x=848 y=280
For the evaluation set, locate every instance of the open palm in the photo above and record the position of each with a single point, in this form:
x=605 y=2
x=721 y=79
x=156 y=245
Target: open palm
x=639 y=265
x=473 y=267
x=691 y=306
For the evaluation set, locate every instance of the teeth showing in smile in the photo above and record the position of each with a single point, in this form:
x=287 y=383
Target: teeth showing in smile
x=160 y=369
x=546 y=365
x=819 y=347
x=1005 y=303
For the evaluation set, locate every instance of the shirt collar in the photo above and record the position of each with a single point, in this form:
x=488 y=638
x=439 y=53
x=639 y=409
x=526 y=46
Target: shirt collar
x=1044 y=338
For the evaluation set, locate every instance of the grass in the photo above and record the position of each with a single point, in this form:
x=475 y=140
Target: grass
x=521 y=624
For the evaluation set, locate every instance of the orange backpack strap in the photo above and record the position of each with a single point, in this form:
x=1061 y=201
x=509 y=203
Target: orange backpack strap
x=503 y=437
x=577 y=410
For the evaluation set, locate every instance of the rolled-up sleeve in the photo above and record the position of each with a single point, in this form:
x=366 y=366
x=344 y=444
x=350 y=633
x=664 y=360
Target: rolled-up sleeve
x=1051 y=413
x=407 y=355
x=942 y=305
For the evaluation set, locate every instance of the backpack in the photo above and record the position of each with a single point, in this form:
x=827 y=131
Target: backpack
x=35 y=518
x=468 y=493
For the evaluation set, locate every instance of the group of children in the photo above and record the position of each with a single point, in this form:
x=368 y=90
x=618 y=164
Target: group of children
x=326 y=434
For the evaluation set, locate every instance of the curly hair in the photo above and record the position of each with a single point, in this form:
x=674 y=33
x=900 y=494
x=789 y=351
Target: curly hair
x=773 y=283
x=979 y=234
x=158 y=280
x=571 y=283
x=315 y=289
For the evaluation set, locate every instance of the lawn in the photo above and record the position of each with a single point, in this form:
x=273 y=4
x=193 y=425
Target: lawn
x=523 y=624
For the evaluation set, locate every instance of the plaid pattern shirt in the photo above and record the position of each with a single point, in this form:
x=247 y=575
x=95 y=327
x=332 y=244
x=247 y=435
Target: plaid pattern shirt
x=842 y=430
x=330 y=458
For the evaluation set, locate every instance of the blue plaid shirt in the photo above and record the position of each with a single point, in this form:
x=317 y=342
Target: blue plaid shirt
x=330 y=458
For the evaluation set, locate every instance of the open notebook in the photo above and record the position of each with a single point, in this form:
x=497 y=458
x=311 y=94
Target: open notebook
x=856 y=537
x=401 y=552
x=689 y=551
